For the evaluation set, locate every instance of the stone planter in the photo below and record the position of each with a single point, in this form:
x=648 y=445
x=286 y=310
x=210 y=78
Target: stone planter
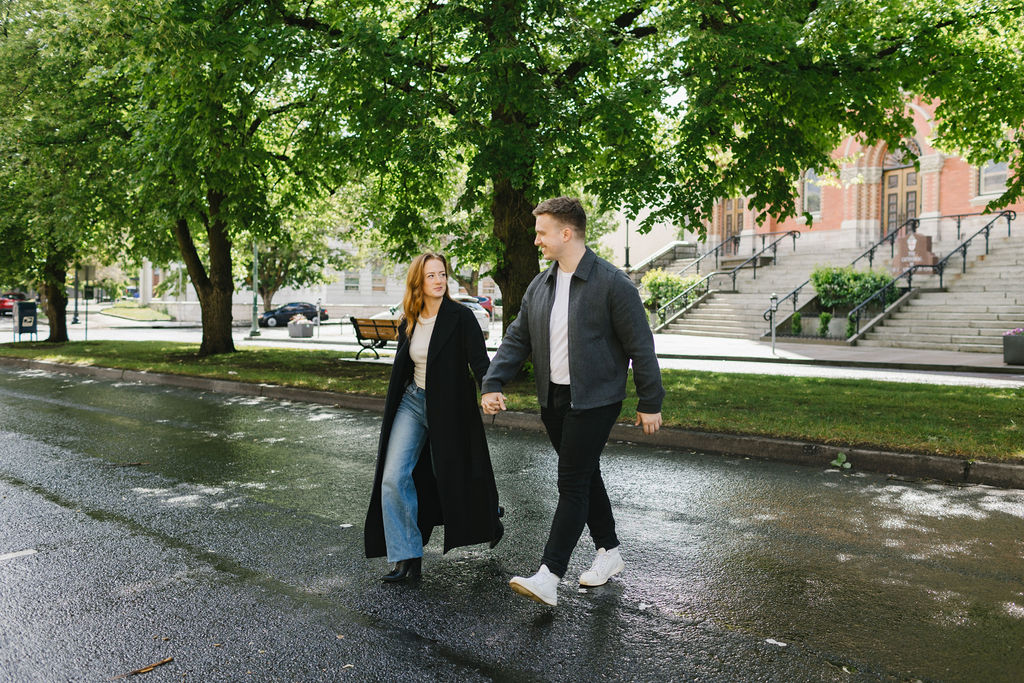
x=1013 y=349
x=300 y=329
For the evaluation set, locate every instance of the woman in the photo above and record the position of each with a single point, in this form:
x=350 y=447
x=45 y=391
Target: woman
x=433 y=466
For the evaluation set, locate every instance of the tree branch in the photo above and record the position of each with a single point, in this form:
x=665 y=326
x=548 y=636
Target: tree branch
x=187 y=247
x=269 y=113
x=305 y=21
x=618 y=33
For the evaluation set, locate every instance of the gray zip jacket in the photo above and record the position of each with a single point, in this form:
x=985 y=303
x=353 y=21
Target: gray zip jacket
x=607 y=328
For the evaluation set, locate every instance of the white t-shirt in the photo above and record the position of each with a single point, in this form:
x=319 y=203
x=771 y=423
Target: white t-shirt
x=558 y=330
x=418 y=346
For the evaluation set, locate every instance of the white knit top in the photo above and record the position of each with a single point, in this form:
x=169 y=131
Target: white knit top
x=418 y=346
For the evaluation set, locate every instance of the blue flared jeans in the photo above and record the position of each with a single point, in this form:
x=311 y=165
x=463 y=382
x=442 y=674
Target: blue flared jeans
x=398 y=491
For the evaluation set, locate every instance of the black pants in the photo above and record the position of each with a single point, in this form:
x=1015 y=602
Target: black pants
x=579 y=437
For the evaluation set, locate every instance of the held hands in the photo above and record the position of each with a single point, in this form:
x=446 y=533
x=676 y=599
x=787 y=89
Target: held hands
x=492 y=402
x=651 y=421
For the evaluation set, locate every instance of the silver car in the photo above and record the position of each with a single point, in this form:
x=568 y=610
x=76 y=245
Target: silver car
x=470 y=302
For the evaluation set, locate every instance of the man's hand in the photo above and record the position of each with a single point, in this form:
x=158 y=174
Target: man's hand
x=493 y=402
x=650 y=421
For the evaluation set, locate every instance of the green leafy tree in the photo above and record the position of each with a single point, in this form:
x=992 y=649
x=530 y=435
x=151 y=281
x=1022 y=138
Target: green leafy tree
x=61 y=195
x=304 y=253
x=772 y=89
x=223 y=144
x=662 y=105
x=529 y=99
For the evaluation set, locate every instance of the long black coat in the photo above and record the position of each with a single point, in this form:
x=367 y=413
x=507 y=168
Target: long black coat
x=462 y=496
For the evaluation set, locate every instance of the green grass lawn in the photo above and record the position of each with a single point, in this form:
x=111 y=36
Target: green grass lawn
x=966 y=422
x=132 y=311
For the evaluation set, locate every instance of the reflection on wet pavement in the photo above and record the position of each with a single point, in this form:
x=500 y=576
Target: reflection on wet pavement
x=733 y=565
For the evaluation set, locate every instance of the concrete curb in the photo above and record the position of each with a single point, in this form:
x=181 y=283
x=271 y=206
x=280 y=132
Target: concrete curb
x=943 y=468
x=219 y=386
x=853 y=363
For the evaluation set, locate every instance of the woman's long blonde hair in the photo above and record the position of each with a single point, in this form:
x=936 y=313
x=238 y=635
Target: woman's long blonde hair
x=412 y=302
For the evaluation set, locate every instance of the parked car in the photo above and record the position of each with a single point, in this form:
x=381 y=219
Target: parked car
x=395 y=312
x=483 y=302
x=282 y=314
x=487 y=303
x=7 y=300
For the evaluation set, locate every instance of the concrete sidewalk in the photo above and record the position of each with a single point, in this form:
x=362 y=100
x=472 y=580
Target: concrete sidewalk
x=684 y=347
x=669 y=347
x=837 y=355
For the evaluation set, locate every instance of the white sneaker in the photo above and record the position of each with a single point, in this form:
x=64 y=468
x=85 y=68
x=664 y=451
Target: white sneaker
x=542 y=586
x=607 y=564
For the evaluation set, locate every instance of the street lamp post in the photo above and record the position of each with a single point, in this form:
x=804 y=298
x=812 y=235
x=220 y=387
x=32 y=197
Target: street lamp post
x=255 y=330
x=74 y=316
x=627 y=243
x=775 y=307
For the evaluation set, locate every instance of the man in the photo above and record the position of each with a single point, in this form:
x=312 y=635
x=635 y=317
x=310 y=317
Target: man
x=583 y=321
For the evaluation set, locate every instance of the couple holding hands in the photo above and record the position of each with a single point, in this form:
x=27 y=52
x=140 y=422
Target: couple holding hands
x=583 y=321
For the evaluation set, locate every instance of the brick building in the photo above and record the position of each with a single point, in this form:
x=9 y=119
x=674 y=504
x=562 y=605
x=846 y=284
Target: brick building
x=876 y=191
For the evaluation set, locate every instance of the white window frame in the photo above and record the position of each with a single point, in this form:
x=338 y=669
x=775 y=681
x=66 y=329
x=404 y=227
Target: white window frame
x=811 y=176
x=986 y=187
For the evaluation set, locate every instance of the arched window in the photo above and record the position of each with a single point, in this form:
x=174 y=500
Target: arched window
x=904 y=155
x=811 y=192
x=992 y=178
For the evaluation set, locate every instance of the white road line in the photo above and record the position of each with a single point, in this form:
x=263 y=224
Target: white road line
x=20 y=553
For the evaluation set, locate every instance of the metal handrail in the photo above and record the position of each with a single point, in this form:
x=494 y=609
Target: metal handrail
x=938 y=267
x=663 y=310
x=795 y=234
x=715 y=252
x=655 y=256
x=881 y=293
x=911 y=224
x=763 y=235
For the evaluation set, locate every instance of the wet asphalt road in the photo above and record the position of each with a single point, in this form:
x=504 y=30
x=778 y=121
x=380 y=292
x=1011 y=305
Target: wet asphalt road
x=236 y=549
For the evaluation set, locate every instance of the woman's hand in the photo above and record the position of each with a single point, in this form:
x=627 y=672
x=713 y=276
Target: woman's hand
x=492 y=402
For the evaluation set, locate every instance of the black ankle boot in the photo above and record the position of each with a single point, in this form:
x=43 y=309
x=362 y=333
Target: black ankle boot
x=404 y=569
x=498 y=537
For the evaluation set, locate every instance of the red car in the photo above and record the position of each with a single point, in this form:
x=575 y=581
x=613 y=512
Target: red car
x=7 y=300
x=488 y=305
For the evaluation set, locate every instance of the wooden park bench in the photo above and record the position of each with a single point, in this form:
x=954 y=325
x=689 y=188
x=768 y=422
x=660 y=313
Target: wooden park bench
x=373 y=333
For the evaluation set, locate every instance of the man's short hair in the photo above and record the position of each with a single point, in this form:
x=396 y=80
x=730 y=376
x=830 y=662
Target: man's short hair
x=568 y=210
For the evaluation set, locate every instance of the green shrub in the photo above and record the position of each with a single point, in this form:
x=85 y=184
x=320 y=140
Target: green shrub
x=823 y=320
x=661 y=287
x=846 y=287
x=851 y=327
x=796 y=325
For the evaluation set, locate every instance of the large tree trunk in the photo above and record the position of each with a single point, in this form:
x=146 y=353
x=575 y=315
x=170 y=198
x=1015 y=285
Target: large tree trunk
x=470 y=283
x=268 y=299
x=215 y=289
x=513 y=226
x=55 y=295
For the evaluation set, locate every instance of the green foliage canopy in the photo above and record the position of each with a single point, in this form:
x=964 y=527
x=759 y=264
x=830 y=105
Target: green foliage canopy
x=61 y=180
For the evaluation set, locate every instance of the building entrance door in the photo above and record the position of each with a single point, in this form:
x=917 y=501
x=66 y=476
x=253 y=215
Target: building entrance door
x=733 y=223
x=901 y=197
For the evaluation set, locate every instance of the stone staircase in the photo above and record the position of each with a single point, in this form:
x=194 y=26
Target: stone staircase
x=673 y=258
x=977 y=308
x=738 y=314
x=973 y=312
